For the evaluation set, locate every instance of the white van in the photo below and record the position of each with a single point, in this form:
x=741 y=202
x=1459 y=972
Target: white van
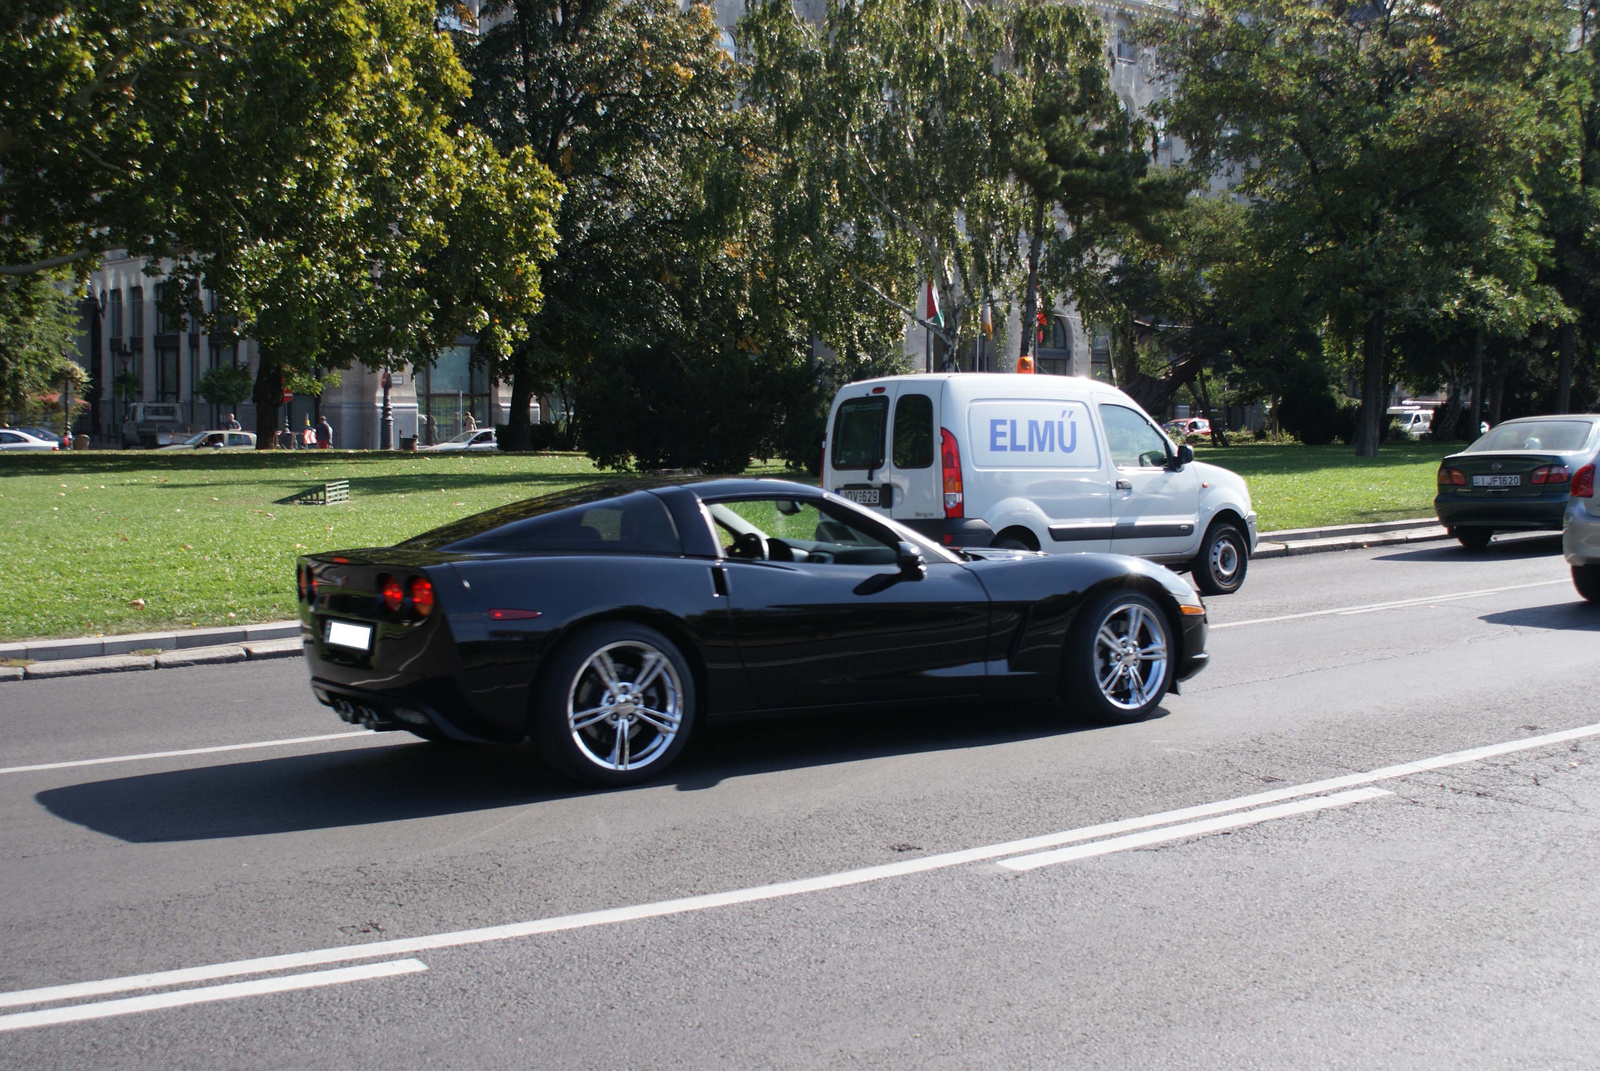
x=1050 y=463
x=1414 y=421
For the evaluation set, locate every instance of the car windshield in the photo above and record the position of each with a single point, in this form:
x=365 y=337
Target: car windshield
x=1558 y=435
x=464 y=437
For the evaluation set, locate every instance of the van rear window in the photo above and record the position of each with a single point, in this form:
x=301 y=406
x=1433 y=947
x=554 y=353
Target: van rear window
x=858 y=430
x=913 y=431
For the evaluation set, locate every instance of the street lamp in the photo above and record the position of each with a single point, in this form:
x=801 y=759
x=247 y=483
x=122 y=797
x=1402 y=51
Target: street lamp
x=386 y=424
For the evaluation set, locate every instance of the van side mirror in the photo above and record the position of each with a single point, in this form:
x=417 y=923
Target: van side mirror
x=1184 y=455
x=910 y=561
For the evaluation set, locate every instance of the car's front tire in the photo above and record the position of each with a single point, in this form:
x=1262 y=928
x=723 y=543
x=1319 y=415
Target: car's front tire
x=1223 y=560
x=615 y=705
x=1586 y=578
x=1473 y=538
x=1119 y=659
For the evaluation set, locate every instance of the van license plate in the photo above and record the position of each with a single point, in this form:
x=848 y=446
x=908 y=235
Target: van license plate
x=862 y=496
x=1497 y=481
x=344 y=634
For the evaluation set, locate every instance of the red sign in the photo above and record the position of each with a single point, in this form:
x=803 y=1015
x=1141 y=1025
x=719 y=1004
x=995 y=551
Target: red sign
x=287 y=395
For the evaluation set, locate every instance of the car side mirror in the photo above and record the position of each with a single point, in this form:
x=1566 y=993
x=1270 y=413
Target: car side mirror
x=1183 y=457
x=910 y=560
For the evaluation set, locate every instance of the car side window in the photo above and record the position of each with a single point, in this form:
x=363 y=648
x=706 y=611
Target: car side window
x=1134 y=442
x=9 y=437
x=797 y=530
x=238 y=440
x=632 y=524
x=913 y=431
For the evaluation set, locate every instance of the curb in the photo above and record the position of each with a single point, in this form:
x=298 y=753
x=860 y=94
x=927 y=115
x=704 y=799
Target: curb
x=1346 y=537
x=194 y=656
x=53 y=650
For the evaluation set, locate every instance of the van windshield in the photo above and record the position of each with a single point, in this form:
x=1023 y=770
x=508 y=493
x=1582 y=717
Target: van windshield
x=858 y=433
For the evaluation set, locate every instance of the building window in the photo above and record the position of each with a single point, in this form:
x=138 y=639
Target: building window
x=166 y=322
x=116 y=316
x=136 y=312
x=166 y=373
x=224 y=355
x=448 y=391
x=1055 y=351
x=1125 y=48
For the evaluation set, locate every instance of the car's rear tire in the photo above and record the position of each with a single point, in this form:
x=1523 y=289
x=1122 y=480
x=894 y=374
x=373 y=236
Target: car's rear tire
x=1015 y=539
x=1473 y=538
x=615 y=705
x=1223 y=560
x=1119 y=660
x=1586 y=578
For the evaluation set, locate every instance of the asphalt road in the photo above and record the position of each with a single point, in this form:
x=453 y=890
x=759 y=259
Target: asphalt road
x=1436 y=915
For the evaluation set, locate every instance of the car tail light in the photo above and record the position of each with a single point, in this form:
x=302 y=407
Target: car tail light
x=1451 y=477
x=311 y=583
x=950 y=454
x=1583 y=482
x=1548 y=474
x=421 y=596
x=390 y=593
x=300 y=581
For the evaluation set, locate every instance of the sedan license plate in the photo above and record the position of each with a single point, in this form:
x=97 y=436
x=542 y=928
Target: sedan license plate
x=344 y=634
x=863 y=496
x=1497 y=481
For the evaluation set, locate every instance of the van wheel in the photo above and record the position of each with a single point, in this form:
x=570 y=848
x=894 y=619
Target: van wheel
x=1015 y=539
x=1223 y=560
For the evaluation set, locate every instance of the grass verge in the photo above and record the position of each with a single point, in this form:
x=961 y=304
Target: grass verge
x=115 y=542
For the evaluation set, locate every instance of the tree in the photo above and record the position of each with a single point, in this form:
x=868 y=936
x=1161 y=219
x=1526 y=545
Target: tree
x=224 y=385
x=1384 y=146
x=296 y=157
x=37 y=331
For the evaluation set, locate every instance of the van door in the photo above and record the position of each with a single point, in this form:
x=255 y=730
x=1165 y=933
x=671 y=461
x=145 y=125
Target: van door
x=1043 y=452
x=913 y=471
x=1154 y=510
x=856 y=453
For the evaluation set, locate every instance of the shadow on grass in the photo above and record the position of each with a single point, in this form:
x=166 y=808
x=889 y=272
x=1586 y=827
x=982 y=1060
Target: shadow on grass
x=408 y=780
x=1574 y=616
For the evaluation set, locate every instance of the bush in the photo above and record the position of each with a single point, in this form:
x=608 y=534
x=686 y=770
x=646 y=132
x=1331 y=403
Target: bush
x=1317 y=418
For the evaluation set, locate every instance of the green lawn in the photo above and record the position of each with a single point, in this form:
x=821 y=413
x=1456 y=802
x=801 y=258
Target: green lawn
x=1309 y=486
x=201 y=540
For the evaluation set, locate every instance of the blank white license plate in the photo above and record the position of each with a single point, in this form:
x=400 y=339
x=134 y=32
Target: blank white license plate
x=344 y=634
x=862 y=496
x=1497 y=481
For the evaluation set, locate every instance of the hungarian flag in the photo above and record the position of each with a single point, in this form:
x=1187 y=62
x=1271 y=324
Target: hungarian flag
x=930 y=305
x=987 y=321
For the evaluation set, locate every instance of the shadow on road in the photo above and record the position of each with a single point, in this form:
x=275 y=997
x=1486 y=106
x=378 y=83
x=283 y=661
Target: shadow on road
x=1502 y=549
x=1574 y=616
x=412 y=779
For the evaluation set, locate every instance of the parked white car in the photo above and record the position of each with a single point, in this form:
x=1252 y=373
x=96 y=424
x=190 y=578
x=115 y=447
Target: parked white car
x=481 y=441
x=14 y=439
x=1580 y=533
x=1046 y=463
x=216 y=440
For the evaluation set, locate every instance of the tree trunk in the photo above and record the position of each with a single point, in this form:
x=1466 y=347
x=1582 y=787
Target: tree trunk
x=1218 y=438
x=1030 y=296
x=1566 y=341
x=1477 y=384
x=1369 y=432
x=1497 y=392
x=517 y=423
x=268 y=396
x=1448 y=419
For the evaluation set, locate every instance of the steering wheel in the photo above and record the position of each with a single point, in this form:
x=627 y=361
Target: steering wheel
x=749 y=545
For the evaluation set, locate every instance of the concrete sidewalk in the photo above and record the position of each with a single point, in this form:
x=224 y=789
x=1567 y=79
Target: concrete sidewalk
x=281 y=639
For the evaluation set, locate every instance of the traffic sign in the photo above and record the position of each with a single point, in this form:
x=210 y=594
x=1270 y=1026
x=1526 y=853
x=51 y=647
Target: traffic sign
x=288 y=395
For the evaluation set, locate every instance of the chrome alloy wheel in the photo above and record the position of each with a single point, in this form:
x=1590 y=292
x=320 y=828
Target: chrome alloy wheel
x=1224 y=560
x=1130 y=656
x=625 y=705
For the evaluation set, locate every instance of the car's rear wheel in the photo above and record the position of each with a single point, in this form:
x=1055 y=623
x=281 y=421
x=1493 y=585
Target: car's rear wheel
x=1473 y=538
x=1224 y=558
x=615 y=705
x=1586 y=578
x=1119 y=658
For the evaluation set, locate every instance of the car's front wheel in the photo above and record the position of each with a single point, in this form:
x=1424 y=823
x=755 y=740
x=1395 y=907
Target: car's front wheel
x=1119 y=658
x=1224 y=558
x=615 y=705
x=1586 y=578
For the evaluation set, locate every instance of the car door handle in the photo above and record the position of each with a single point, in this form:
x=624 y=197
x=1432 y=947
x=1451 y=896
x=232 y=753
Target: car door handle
x=1124 y=485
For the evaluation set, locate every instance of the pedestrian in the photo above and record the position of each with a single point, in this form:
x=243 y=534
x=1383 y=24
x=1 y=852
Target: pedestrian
x=233 y=423
x=470 y=425
x=324 y=434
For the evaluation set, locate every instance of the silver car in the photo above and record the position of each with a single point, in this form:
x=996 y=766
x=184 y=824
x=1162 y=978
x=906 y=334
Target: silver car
x=1580 y=534
x=17 y=440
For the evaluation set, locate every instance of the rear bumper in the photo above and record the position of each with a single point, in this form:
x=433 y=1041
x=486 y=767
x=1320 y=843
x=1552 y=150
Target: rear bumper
x=953 y=531
x=1500 y=511
x=420 y=706
x=1580 y=536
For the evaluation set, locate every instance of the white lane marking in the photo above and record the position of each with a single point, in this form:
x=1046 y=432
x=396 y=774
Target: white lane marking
x=231 y=991
x=1192 y=829
x=1398 y=604
x=459 y=938
x=189 y=751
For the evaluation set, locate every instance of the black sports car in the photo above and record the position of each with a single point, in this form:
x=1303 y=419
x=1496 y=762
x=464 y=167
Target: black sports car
x=604 y=622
